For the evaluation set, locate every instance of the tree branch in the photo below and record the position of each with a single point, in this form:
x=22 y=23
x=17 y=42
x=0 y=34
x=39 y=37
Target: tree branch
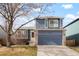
x=23 y=25
x=17 y=10
x=31 y=20
x=17 y=16
x=3 y=28
x=4 y=16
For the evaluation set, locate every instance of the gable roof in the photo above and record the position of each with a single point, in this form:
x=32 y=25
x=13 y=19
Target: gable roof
x=71 y=22
x=27 y=28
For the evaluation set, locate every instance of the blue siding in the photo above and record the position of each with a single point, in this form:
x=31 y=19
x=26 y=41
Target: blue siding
x=73 y=37
x=72 y=29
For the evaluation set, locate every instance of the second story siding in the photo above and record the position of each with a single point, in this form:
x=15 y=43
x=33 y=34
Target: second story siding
x=48 y=23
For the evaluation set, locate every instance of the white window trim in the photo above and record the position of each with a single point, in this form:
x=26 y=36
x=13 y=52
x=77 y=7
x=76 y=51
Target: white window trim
x=52 y=25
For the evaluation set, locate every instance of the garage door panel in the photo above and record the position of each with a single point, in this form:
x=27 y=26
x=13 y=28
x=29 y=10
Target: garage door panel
x=49 y=38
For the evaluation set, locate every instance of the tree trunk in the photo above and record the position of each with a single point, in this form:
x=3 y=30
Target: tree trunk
x=9 y=29
x=8 y=40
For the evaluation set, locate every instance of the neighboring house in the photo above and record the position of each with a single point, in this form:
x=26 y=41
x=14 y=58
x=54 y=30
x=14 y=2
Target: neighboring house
x=2 y=37
x=2 y=34
x=49 y=31
x=72 y=32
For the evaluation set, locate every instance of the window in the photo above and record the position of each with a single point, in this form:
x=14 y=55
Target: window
x=32 y=34
x=22 y=33
x=19 y=33
x=53 y=23
x=40 y=23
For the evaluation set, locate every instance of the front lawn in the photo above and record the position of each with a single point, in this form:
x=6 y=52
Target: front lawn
x=18 y=50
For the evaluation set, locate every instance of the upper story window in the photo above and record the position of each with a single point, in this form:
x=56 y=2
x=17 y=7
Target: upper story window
x=40 y=23
x=53 y=23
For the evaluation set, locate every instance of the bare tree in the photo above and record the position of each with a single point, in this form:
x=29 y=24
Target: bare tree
x=10 y=12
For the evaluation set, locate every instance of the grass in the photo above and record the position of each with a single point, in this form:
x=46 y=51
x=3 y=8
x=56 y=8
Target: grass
x=18 y=50
x=75 y=48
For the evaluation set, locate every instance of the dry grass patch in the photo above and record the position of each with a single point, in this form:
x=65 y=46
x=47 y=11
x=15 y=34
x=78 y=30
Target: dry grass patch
x=75 y=48
x=18 y=50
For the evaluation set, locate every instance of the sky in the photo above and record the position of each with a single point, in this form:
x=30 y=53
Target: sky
x=69 y=11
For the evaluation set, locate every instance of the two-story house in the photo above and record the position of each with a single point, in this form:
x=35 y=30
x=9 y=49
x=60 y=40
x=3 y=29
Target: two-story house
x=49 y=31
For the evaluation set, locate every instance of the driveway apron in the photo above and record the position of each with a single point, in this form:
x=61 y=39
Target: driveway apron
x=55 y=50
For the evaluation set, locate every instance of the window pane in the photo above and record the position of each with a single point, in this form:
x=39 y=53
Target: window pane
x=53 y=23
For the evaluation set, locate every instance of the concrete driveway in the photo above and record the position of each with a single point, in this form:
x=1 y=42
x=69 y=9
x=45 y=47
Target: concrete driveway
x=54 y=50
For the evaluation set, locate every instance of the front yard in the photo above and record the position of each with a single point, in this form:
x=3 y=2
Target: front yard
x=18 y=50
x=75 y=48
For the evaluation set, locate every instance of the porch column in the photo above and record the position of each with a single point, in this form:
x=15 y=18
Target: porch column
x=63 y=38
x=33 y=40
